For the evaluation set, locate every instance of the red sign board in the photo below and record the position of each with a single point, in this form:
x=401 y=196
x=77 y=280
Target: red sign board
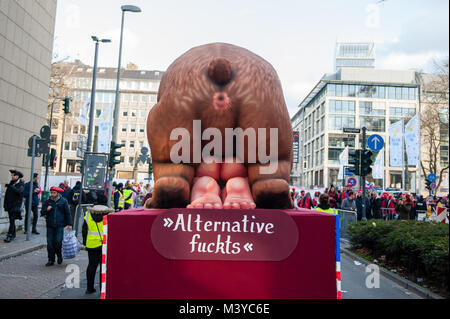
x=259 y=235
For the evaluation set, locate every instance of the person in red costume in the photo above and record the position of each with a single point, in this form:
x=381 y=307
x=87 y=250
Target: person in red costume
x=306 y=201
x=333 y=197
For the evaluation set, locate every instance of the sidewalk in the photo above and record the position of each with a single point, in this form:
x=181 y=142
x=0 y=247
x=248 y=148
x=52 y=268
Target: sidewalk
x=20 y=245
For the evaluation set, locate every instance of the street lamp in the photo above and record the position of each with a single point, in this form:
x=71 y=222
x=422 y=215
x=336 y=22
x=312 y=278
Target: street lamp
x=126 y=8
x=94 y=78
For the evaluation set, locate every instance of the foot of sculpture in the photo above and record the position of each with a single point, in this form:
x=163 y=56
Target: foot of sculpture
x=237 y=194
x=205 y=193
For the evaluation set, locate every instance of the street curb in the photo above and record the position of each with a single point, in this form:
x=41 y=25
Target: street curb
x=423 y=292
x=22 y=252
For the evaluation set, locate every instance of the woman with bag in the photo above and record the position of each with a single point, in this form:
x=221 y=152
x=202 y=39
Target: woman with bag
x=93 y=239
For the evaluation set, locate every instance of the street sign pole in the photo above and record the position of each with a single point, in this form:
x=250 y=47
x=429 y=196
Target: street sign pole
x=30 y=196
x=363 y=178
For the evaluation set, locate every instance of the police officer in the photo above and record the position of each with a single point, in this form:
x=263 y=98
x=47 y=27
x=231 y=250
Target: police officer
x=118 y=198
x=93 y=239
x=324 y=205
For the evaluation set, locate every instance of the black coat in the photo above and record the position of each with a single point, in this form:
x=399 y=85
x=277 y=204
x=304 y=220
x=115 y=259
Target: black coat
x=59 y=215
x=358 y=202
x=14 y=196
x=375 y=206
x=70 y=197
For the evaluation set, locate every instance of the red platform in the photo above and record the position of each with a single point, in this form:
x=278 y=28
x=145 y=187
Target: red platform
x=135 y=269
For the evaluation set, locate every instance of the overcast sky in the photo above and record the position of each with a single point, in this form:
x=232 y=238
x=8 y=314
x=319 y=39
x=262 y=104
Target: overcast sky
x=296 y=37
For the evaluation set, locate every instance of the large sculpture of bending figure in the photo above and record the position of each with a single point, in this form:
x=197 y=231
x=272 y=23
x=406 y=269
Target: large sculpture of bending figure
x=223 y=86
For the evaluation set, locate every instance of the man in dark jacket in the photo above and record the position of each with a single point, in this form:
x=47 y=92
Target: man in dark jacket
x=359 y=206
x=57 y=214
x=74 y=197
x=375 y=205
x=34 y=203
x=13 y=202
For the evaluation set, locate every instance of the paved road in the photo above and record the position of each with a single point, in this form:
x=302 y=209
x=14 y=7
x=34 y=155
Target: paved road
x=26 y=277
x=354 y=284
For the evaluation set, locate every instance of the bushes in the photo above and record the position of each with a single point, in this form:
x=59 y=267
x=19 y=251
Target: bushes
x=421 y=248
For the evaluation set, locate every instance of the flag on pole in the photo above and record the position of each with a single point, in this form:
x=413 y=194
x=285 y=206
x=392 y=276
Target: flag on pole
x=396 y=144
x=412 y=140
x=83 y=118
x=343 y=161
x=104 y=130
x=377 y=169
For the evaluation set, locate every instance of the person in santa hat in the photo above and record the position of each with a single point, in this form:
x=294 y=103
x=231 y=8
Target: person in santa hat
x=57 y=215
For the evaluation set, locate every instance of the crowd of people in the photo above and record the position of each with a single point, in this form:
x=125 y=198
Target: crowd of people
x=383 y=206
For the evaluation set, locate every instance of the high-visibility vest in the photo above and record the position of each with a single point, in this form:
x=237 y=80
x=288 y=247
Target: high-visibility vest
x=95 y=232
x=126 y=193
x=329 y=210
x=121 y=199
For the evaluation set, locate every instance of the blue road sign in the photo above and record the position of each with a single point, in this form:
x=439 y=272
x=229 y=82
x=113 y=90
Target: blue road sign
x=433 y=185
x=347 y=172
x=351 y=181
x=432 y=177
x=375 y=142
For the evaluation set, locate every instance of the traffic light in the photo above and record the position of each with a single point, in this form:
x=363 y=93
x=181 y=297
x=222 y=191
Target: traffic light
x=66 y=104
x=150 y=166
x=366 y=161
x=52 y=157
x=428 y=183
x=113 y=154
x=354 y=157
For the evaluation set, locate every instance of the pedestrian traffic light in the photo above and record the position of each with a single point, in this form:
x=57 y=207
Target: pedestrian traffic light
x=150 y=166
x=354 y=158
x=52 y=156
x=428 y=183
x=66 y=104
x=366 y=161
x=113 y=154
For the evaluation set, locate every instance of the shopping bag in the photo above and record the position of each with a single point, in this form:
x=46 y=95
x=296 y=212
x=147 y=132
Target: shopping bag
x=70 y=245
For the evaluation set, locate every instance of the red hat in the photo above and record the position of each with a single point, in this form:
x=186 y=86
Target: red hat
x=56 y=189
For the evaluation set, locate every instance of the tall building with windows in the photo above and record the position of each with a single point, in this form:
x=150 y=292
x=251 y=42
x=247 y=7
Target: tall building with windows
x=26 y=42
x=354 y=55
x=138 y=94
x=351 y=98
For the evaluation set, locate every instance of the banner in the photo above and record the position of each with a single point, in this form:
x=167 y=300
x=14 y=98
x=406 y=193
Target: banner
x=104 y=130
x=412 y=140
x=83 y=118
x=295 y=146
x=396 y=144
x=378 y=169
x=343 y=161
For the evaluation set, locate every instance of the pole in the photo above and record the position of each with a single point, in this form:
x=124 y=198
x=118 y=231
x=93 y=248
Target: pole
x=92 y=107
x=62 y=142
x=47 y=155
x=116 y=109
x=403 y=158
x=30 y=196
x=363 y=178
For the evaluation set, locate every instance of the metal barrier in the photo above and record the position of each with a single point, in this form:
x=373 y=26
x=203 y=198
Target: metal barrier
x=346 y=217
x=389 y=214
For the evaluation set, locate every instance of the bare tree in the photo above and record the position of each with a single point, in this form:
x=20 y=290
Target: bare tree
x=434 y=119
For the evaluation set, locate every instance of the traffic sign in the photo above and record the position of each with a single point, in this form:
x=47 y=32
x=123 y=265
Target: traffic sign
x=433 y=185
x=375 y=142
x=347 y=172
x=351 y=181
x=351 y=130
x=432 y=177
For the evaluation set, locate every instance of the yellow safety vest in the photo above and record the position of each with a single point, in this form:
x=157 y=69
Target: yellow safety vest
x=329 y=210
x=126 y=193
x=95 y=232
x=121 y=198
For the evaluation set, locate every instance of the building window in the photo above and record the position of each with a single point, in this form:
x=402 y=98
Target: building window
x=125 y=113
x=122 y=159
x=97 y=113
x=375 y=124
x=135 y=98
x=67 y=146
x=366 y=108
x=132 y=128
x=401 y=112
x=53 y=139
x=131 y=144
x=124 y=128
x=337 y=122
x=144 y=98
x=133 y=113
x=342 y=107
x=341 y=141
x=74 y=146
x=141 y=128
x=131 y=160
x=75 y=129
x=126 y=97
x=123 y=143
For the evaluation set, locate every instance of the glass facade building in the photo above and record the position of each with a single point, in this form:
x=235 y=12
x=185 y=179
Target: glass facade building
x=341 y=101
